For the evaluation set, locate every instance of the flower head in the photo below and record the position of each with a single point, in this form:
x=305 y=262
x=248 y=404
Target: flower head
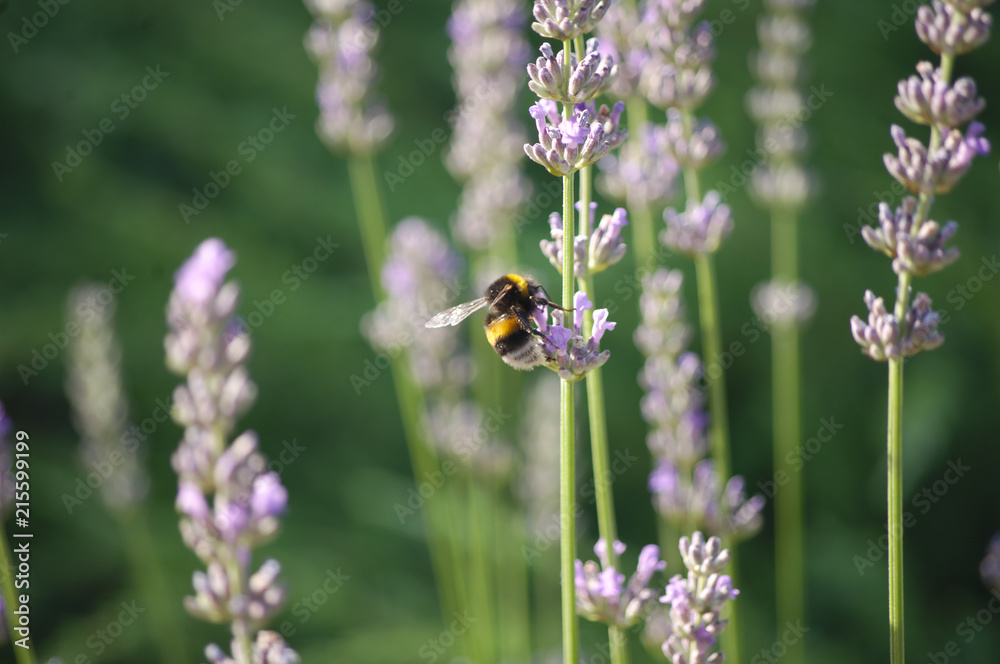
x=567 y=19
x=953 y=28
x=929 y=99
x=583 y=81
x=696 y=601
x=917 y=253
x=939 y=170
x=571 y=354
x=644 y=172
x=602 y=594
x=567 y=145
x=701 y=228
x=883 y=338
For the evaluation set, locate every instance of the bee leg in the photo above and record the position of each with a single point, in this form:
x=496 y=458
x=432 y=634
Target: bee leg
x=531 y=330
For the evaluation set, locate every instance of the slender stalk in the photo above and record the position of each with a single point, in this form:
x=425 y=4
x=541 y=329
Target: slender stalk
x=567 y=436
x=146 y=563
x=894 y=454
x=481 y=593
x=788 y=509
x=567 y=456
x=372 y=221
x=21 y=655
x=711 y=334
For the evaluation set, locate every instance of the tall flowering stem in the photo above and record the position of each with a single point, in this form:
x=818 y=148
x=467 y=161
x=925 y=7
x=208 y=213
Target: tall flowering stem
x=355 y=123
x=914 y=241
x=678 y=79
x=569 y=142
x=229 y=504
x=95 y=390
x=782 y=186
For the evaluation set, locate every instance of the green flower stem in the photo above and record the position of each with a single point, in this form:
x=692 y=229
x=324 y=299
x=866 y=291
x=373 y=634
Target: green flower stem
x=21 y=655
x=440 y=530
x=146 y=563
x=788 y=536
x=567 y=437
x=601 y=458
x=894 y=428
x=481 y=596
x=512 y=585
x=711 y=335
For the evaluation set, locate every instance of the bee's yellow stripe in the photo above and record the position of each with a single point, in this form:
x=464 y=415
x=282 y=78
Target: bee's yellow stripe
x=519 y=282
x=501 y=328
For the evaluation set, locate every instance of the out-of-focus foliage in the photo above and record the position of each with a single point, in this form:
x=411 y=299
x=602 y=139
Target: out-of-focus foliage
x=220 y=76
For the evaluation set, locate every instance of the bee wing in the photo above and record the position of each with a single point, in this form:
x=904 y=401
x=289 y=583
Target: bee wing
x=457 y=314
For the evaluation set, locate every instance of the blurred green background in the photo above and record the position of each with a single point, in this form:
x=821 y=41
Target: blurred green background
x=118 y=210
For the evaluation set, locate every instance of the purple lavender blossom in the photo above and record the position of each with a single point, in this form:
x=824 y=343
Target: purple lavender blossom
x=937 y=171
x=567 y=145
x=883 y=338
x=229 y=504
x=585 y=79
x=602 y=595
x=420 y=278
x=953 y=28
x=696 y=602
x=701 y=228
x=567 y=19
x=571 y=354
x=593 y=254
x=917 y=253
x=644 y=172
x=929 y=99
x=340 y=41
x=622 y=37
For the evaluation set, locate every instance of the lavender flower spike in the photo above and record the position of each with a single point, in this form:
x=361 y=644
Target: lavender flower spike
x=602 y=594
x=696 y=602
x=918 y=254
x=229 y=504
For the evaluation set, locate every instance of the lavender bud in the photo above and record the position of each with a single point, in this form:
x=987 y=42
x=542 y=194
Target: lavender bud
x=566 y=146
x=569 y=352
x=952 y=28
x=919 y=255
x=668 y=86
x=921 y=326
x=939 y=171
x=587 y=79
x=552 y=249
x=567 y=19
x=929 y=100
x=606 y=244
x=879 y=338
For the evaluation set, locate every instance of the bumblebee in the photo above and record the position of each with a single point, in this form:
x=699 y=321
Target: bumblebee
x=511 y=300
